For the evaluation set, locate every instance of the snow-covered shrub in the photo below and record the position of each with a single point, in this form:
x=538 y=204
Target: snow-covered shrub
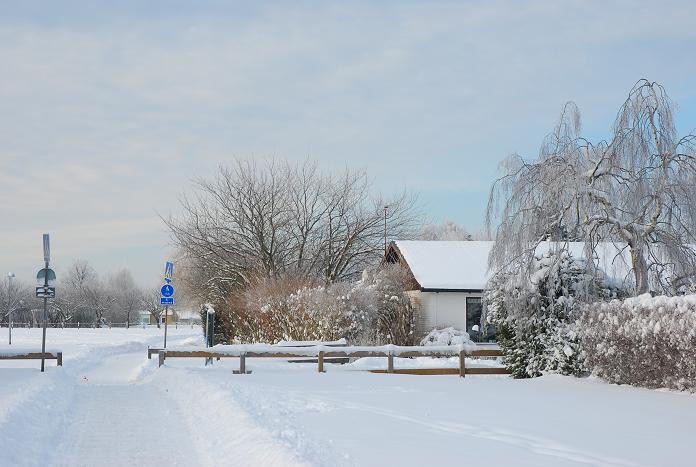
x=446 y=336
x=535 y=316
x=373 y=310
x=644 y=341
x=396 y=313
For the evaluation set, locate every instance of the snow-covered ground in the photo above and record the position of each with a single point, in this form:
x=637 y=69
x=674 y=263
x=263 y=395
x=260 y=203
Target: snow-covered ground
x=109 y=405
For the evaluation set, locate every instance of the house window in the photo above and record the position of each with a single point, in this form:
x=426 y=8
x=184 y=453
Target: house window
x=473 y=313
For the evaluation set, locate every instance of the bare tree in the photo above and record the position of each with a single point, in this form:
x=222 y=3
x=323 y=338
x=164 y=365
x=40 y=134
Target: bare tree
x=151 y=302
x=127 y=295
x=635 y=191
x=274 y=218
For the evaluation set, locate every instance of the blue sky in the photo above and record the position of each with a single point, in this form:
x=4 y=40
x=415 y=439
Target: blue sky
x=108 y=109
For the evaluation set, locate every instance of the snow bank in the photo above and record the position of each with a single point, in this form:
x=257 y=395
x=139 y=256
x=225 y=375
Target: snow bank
x=447 y=336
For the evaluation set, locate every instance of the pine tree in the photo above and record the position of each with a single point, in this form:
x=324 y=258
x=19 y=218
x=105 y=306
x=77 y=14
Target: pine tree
x=535 y=317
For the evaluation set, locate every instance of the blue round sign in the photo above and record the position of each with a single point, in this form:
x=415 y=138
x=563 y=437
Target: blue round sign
x=167 y=290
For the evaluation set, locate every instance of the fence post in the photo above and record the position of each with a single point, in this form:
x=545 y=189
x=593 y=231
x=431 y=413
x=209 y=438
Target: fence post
x=242 y=364
x=59 y=358
x=390 y=362
x=320 y=361
x=462 y=363
x=161 y=357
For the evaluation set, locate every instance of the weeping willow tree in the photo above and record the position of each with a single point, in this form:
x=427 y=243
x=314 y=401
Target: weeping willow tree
x=635 y=190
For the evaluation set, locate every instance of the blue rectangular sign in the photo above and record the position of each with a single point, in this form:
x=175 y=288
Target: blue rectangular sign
x=166 y=300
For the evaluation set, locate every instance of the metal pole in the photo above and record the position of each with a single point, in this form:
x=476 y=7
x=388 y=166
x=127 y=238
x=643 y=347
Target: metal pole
x=207 y=334
x=9 y=310
x=385 y=230
x=45 y=318
x=166 y=312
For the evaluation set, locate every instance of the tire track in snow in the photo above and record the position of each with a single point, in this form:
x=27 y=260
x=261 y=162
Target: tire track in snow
x=119 y=421
x=225 y=433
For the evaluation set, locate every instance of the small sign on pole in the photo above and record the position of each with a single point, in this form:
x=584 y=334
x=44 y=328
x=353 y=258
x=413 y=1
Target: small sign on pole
x=46 y=248
x=168 y=272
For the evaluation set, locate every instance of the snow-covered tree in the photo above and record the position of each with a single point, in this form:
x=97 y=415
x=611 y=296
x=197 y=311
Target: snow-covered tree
x=636 y=190
x=448 y=230
x=534 y=315
x=127 y=295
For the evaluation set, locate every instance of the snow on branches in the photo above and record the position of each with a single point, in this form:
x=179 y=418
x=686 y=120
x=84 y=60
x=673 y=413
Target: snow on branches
x=535 y=315
x=644 y=341
x=635 y=190
x=372 y=310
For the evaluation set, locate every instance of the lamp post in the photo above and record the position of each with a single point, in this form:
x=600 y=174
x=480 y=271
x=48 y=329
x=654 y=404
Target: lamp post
x=386 y=208
x=10 y=276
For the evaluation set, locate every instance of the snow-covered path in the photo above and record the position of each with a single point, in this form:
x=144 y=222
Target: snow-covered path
x=119 y=420
x=109 y=406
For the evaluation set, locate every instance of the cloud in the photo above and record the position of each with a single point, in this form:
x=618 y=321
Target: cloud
x=109 y=110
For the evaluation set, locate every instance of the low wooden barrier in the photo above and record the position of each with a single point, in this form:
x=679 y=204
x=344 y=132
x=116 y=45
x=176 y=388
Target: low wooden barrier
x=323 y=352
x=58 y=356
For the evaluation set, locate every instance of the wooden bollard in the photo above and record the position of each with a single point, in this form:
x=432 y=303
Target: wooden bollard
x=320 y=361
x=242 y=364
x=161 y=358
x=390 y=363
x=59 y=358
x=462 y=363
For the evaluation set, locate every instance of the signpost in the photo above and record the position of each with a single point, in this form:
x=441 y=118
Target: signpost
x=45 y=289
x=167 y=294
x=10 y=275
x=209 y=326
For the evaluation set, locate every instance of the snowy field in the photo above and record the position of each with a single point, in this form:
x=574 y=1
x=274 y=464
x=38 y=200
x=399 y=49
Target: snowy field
x=110 y=405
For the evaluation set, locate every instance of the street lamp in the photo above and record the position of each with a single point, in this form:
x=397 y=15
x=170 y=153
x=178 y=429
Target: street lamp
x=386 y=208
x=10 y=276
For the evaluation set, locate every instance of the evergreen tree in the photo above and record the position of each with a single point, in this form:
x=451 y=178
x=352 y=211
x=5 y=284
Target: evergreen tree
x=535 y=317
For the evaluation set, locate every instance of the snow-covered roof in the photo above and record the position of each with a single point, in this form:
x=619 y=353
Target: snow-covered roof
x=463 y=265
x=447 y=265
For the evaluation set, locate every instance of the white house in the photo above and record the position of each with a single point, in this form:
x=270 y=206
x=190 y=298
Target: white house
x=449 y=277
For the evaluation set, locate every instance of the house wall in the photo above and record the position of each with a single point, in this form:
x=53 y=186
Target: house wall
x=441 y=309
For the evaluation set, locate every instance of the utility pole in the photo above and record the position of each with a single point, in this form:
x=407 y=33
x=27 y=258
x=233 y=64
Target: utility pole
x=10 y=275
x=385 y=230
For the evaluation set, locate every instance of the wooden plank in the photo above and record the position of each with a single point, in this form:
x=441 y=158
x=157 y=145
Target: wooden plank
x=491 y=370
x=32 y=356
x=485 y=353
x=446 y=371
x=420 y=371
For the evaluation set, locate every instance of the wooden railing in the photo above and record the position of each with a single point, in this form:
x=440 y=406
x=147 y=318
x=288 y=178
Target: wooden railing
x=22 y=355
x=322 y=352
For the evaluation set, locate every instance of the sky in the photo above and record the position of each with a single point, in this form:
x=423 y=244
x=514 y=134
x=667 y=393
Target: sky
x=108 y=110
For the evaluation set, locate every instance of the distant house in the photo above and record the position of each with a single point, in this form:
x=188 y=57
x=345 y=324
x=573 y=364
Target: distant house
x=448 y=280
x=145 y=317
x=188 y=316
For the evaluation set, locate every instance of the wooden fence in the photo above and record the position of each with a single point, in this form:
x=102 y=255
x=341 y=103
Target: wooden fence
x=21 y=355
x=322 y=352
